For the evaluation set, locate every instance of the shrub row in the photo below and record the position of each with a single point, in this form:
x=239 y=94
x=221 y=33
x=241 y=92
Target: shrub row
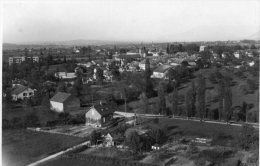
x=106 y=160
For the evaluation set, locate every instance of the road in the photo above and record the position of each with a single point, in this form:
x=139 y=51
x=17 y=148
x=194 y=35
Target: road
x=128 y=115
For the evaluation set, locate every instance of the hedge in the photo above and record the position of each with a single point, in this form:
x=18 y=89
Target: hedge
x=107 y=160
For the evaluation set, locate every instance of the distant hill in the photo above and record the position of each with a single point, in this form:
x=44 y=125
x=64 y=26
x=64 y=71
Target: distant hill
x=59 y=44
x=255 y=36
x=210 y=33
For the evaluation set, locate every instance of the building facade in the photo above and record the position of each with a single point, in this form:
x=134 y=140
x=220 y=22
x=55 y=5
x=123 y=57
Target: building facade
x=20 y=59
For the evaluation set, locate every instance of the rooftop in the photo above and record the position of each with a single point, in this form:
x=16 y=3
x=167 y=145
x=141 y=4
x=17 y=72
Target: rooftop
x=60 y=97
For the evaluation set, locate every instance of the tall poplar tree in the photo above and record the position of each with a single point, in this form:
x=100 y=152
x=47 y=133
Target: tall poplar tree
x=201 y=96
x=161 y=95
x=175 y=99
x=148 y=82
x=193 y=99
x=227 y=100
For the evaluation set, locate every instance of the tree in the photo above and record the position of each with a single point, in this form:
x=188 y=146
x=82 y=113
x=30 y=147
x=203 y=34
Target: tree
x=201 y=96
x=157 y=135
x=31 y=120
x=61 y=87
x=161 y=95
x=133 y=141
x=242 y=115
x=78 y=86
x=252 y=46
x=94 y=137
x=114 y=70
x=175 y=74
x=8 y=96
x=64 y=59
x=168 y=49
x=175 y=100
x=188 y=102
x=148 y=82
x=100 y=75
x=248 y=137
x=221 y=89
x=227 y=100
x=193 y=99
x=145 y=103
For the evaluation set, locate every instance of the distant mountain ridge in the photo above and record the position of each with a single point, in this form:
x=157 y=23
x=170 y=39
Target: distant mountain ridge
x=255 y=36
x=58 y=44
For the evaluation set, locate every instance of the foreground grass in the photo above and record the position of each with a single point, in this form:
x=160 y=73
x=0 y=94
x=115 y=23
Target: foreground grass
x=21 y=147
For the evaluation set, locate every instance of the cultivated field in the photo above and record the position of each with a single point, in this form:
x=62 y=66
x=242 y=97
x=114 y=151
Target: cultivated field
x=78 y=131
x=21 y=147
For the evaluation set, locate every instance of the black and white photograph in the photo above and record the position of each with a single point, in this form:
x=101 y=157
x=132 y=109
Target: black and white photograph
x=129 y=82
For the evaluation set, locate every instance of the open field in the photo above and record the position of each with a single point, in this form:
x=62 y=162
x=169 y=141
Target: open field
x=21 y=147
x=200 y=129
x=44 y=114
x=78 y=131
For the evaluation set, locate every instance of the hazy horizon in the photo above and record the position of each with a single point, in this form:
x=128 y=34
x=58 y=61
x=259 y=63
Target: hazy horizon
x=143 y=20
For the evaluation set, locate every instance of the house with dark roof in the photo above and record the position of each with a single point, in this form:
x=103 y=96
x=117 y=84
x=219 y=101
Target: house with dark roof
x=21 y=92
x=99 y=115
x=64 y=102
x=161 y=71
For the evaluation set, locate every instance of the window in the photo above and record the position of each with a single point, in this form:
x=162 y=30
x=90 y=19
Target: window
x=24 y=94
x=30 y=93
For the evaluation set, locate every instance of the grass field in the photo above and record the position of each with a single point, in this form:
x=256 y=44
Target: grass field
x=21 y=147
x=200 y=129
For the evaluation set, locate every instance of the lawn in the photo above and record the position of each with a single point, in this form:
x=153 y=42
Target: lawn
x=21 y=147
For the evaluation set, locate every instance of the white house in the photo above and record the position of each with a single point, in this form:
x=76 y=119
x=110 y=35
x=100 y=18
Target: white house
x=62 y=102
x=65 y=75
x=99 y=115
x=21 y=92
x=202 y=48
x=237 y=55
x=251 y=63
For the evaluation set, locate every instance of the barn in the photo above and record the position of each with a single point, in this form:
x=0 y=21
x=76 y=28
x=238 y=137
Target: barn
x=64 y=102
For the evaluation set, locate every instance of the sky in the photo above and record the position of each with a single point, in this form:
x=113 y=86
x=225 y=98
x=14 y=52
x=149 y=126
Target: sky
x=125 y=20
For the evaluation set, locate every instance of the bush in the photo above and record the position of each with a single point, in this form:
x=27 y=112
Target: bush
x=216 y=156
x=192 y=149
x=31 y=120
x=156 y=121
x=200 y=161
x=16 y=123
x=94 y=137
x=251 y=84
x=248 y=137
x=6 y=124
